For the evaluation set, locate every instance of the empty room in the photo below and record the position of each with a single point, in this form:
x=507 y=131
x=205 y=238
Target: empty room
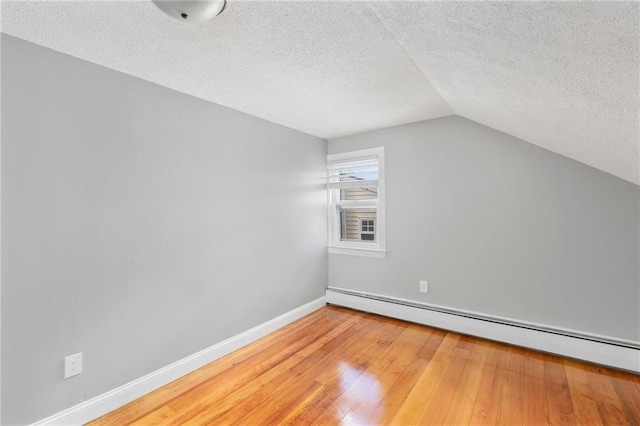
x=320 y=212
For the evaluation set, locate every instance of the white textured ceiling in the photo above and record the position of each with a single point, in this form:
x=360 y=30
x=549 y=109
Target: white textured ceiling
x=561 y=75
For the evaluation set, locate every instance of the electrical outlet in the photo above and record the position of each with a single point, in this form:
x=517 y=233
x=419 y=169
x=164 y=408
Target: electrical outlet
x=72 y=365
x=424 y=287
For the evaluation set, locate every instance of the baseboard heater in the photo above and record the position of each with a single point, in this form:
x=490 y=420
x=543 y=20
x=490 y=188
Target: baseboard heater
x=606 y=350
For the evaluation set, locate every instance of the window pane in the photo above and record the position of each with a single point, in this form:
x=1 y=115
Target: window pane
x=354 y=171
x=351 y=223
x=359 y=194
x=359 y=173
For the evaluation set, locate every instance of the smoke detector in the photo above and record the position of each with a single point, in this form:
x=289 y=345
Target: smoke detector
x=191 y=11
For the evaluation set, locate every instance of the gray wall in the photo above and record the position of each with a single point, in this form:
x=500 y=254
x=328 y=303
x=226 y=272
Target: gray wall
x=140 y=225
x=501 y=227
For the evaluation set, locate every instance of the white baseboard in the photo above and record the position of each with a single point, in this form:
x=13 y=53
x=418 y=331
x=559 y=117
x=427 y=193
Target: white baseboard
x=625 y=355
x=109 y=401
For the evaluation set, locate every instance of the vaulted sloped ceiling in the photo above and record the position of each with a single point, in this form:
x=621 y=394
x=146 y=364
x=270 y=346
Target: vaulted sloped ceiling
x=561 y=75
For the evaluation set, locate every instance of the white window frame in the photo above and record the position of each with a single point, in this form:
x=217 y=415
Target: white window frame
x=377 y=248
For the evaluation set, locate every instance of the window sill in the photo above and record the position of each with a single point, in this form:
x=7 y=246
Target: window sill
x=378 y=254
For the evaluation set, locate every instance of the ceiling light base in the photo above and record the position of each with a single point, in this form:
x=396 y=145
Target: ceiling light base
x=193 y=12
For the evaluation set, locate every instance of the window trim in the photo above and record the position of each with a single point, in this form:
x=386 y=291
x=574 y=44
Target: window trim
x=375 y=248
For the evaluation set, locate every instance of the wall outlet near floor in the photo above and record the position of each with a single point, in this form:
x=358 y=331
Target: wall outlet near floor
x=424 y=287
x=72 y=365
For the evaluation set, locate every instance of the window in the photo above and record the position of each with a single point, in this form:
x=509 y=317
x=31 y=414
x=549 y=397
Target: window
x=356 y=203
x=367 y=229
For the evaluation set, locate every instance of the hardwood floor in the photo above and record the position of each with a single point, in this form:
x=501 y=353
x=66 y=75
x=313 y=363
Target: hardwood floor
x=338 y=366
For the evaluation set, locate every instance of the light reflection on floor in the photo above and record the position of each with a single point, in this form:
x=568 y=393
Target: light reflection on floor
x=361 y=394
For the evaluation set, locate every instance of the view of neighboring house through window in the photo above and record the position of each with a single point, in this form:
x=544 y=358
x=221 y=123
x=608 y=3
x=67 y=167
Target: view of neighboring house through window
x=356 y=202
x=367 y=229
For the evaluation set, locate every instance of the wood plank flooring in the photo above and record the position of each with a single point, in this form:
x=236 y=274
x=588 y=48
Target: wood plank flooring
x=338 y=366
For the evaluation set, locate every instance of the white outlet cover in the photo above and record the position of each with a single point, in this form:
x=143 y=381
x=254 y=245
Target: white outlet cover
x=72 y=365
x=424 y=286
